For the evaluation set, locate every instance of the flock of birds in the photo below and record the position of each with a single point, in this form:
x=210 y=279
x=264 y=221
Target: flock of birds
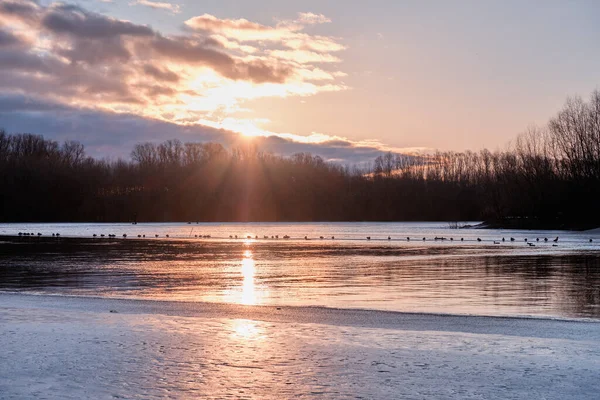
x=256 y=237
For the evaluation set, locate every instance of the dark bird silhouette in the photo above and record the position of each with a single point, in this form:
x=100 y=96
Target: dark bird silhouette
x=479 y=239
x=124 y=235
x=512 y=239
x=389 y=238
x=556 y=240
x=368 y=237
x=545 y=239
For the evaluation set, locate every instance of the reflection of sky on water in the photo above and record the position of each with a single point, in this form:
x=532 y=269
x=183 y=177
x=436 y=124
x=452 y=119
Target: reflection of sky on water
x=474 y=279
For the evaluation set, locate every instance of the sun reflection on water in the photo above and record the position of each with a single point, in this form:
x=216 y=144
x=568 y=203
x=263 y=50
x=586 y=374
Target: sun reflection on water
x=248 y=287
x=245 y=291
x=246 y=329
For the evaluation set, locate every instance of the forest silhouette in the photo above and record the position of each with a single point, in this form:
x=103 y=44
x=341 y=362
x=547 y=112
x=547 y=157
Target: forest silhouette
x=548 y=178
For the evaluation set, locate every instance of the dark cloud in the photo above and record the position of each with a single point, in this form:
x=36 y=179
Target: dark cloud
x=73 y=20
x=23 y=10
x=48 y=77
x=161 y=74
x=157 y=90
x=17 y=103
x=110 y=50
x=7 y=39
x=23 y=61
x=114 y=135
x=260 y=72
x=338 y=143
x=191 y=51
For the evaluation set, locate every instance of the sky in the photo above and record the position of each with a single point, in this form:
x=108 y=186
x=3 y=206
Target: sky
x=346 y=80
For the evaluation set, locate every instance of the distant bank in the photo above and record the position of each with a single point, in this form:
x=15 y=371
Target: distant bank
x=536 y=224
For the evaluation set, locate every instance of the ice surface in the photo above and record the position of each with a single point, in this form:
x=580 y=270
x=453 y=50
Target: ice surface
x=69 y=347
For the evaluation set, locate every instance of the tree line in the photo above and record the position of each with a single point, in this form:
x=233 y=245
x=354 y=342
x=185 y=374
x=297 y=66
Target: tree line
x=548 y=178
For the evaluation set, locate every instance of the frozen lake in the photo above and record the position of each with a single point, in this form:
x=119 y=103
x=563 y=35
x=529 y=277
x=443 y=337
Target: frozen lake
x=458 y=275
x=350 y=317
x=58 y=347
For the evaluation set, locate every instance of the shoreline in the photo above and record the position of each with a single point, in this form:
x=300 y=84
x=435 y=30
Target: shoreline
x=525 y=224
x=517 y=325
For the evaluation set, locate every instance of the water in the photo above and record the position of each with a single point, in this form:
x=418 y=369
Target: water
x=440 y=276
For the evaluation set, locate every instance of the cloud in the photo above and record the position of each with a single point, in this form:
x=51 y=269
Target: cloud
x=76 y=22
x=88 y=59
x=7 y=39
x=287 y=33
x=194 y=52
x=309 y=18
x=21 y=114
x=174 y=8
x=65 y=57
x=19 y=10
x=161 y=74
x=304 y=56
